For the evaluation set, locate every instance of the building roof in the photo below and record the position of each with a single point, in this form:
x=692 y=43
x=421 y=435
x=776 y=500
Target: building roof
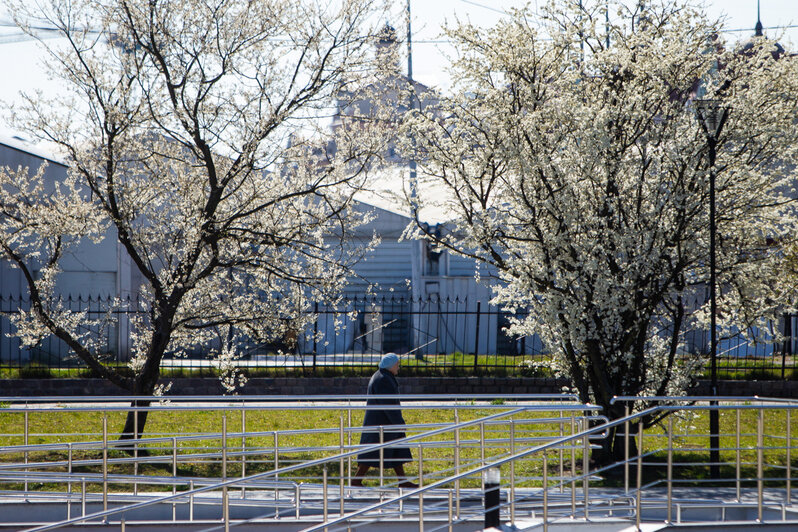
x=20 y=144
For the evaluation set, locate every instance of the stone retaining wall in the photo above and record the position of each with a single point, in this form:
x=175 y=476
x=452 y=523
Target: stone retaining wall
x=357 y=386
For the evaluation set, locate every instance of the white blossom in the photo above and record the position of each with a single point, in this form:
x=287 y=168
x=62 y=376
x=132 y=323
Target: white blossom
x=194 y=136
x=578 y=173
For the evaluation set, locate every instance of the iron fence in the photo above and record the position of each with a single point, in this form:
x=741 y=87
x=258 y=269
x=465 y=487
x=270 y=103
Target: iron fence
x=438 y=336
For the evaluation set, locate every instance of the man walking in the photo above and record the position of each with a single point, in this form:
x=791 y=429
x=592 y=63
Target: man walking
x=384 y=382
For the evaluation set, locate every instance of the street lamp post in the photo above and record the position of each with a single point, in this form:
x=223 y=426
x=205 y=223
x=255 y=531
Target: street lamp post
x=712 y=116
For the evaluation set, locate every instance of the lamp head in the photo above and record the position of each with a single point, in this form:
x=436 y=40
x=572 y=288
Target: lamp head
x=711 y=115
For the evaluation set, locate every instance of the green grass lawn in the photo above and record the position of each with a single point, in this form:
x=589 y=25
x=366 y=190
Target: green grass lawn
x=689 y=441
x=66 y=426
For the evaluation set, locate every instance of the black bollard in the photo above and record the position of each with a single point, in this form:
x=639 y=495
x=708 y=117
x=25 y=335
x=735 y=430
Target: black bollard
x=492 y=480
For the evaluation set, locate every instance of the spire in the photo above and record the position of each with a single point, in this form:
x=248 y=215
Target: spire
x=758 y=27
x=388 y=50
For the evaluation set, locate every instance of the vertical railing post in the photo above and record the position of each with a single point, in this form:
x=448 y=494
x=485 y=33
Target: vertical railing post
x=482 y=446
x=457 y=462
x=789 y=457
x=135 y=446
x=225 y=501
x=738 y=465
x=639 y=502
x=82 y=497
x=560 y=452
x=297 y=501
x=760 y=449
x=25 y=442
x=105 y=464
x=573 y=468
x=670 y=469
x=243 y=448
x=324 y=493
x=69 y=482
x=586 y=468
x=349 y=442
x=420 y=484
x=341 y=466
x=626 y=429
x=174 y=477
x=512 y=471
x=451 y=512
x=382 y=456
x=545 y=491
x=275 y=437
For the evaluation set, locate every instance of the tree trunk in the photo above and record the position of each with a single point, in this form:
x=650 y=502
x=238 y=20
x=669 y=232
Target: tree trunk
x=612 y=449
x=137 y=419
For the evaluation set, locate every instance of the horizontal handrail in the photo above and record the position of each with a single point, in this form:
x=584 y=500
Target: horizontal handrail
x=279 y=398
x=693 y=398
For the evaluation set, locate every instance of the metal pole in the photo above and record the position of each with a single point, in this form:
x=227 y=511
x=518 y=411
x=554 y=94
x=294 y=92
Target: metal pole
x=491 y=480
x=105 y=465
x=349 y=443
x=714 y=414
x=512 y=471
x=324 y=493
x=639 y=505
x=670 y=468
x=69 y=483
x=545 y=491
x=560 y=451
x=25 y=438
x=626 y=429
x=476 y=339
x=738 y=467
x=297 y=500
x=789 y=461
x=243 y=449
x=276 y=477
x=135 y=446
x=760 y=444
x=413 y=181
x=341 y=467
x=586 y=470
x=457 y=462
x=382 y=455
x=451 y=526
x=482 y=446
x=174 y=477
x=573 y=468
x=225 y=506
x=191 y=500
x=420 y=483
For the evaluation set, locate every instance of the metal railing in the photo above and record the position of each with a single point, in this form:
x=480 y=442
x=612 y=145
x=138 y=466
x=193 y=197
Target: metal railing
x=542 y=443
x=469 y=441
x=442 y=335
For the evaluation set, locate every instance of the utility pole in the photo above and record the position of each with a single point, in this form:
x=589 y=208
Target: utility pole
x=411 y=106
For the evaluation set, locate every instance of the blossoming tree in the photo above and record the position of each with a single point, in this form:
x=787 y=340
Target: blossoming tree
x=182 y=126
x=572 y=163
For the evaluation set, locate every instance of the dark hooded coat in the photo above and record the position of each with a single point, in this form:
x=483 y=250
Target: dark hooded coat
x=383 y=382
